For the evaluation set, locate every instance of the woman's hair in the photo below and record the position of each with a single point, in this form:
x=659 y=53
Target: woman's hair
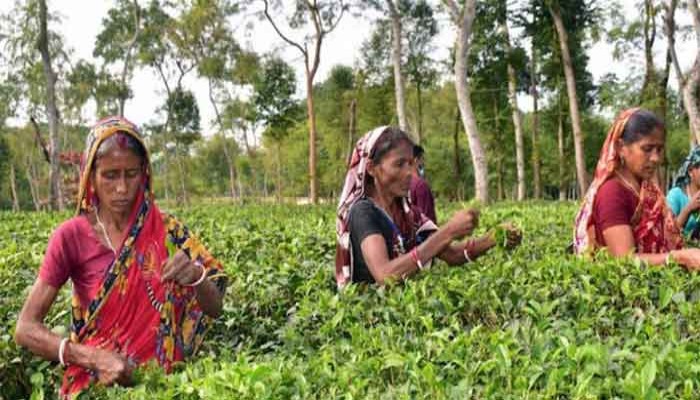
x=122 y=141
x=640 y=124
x=389 y=140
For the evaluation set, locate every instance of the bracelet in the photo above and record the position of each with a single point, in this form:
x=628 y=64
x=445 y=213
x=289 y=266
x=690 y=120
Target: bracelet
x=201 y=278
x=466 y=254
x=416 y=258
x=61 y=350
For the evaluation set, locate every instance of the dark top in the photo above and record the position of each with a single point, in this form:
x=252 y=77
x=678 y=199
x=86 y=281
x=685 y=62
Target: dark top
x=614 y=204
x=365 y=219
x=422 y=197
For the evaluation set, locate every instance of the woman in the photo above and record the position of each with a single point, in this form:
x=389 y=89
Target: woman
x=380 y=235
x=144 y=288
x=684 y=197
x=624 y=209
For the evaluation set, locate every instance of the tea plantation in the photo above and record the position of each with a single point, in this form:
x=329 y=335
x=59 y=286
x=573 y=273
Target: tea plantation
x=531 y=324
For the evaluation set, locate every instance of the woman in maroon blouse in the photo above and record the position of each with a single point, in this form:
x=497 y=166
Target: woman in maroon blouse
x=624 y=209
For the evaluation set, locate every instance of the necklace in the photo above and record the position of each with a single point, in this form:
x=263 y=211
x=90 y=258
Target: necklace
x=627 y=183
x=104 y=231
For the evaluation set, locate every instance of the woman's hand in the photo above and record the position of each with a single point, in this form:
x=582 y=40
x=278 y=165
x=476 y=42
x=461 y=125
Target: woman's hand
x=689 y=258
x=112 y=367
x=693 y=202
x=510 y=237
x=181 y=269
x=463 y=223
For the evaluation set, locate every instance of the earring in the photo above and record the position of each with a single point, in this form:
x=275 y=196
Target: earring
x=622 y=162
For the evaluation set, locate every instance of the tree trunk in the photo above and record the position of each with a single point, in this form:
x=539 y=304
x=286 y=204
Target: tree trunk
x=351 y=129
x=32 y=186
x=313 y=179
x=13 y=188
x=562 y=160
x=517 y=120
x=464 y=21
x=500 y=185
x=573 y=99
x=457 y=162
x=51 y=110
x=396 y=60
x=690 y=92
x=536 y=163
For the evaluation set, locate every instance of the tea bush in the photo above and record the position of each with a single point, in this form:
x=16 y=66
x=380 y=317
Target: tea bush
x=533 y=323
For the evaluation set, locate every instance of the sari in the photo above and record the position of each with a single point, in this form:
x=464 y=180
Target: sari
x=410 y=224
x=133 y=313
x=653 y=226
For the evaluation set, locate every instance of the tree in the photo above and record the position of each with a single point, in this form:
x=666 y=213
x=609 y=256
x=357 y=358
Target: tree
x=512 y=96
x=51 y=108
x=203 y=34
x=555 y=12
x=275 y=107
x=117 y=42
x=463 y=18
x=325 y=17
x=688 y=83
x=420 y=30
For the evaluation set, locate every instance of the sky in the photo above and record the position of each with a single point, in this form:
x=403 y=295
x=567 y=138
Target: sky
x=82 y=19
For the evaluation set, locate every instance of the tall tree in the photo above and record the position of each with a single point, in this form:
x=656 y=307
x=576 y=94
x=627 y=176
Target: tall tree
x=420 y=30
x=325 y=17
x=118 y=41
x=581 y=175
x=689 y=83
x=463 y=18
x=204 y=35
x=513 y=99
x=51 y=108
x=273 y=93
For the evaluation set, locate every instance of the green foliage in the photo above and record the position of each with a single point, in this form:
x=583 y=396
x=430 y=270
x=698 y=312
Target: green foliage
x=533 y=323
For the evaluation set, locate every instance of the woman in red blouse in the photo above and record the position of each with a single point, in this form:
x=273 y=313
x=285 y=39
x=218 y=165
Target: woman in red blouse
x=624 y=209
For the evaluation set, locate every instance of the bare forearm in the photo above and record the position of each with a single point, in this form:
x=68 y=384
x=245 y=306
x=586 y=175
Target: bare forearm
x=38 y=339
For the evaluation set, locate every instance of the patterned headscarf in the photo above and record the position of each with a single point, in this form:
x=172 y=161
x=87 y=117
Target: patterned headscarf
x=692 y=160
x=354 y=189
x=653 y=226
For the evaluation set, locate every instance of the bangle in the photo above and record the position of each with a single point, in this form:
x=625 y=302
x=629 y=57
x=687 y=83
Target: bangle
x=201 y=278
x=466 y=253
x=61 y=350
x=416 y=258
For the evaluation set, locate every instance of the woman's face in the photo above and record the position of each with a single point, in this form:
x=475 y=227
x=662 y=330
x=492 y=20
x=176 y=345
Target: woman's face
x=643 y=157
x=393 y=173
x=116 y=177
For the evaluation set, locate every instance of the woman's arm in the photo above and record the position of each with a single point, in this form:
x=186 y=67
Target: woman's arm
x=35 y=336
x=454 y=253
x=376 y=256
x=620 y=242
